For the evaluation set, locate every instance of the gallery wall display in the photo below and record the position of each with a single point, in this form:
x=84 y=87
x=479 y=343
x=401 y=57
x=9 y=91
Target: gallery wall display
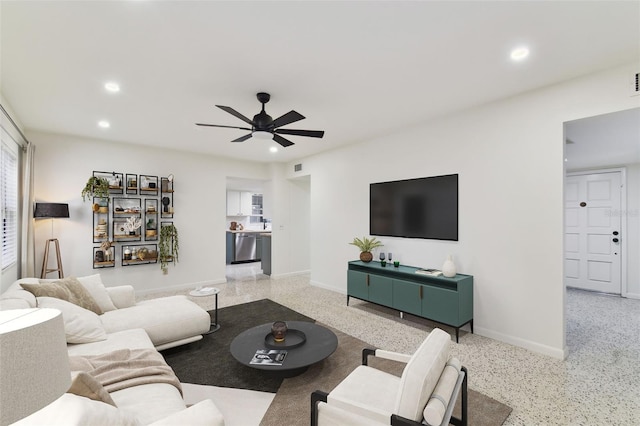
x=126 y=222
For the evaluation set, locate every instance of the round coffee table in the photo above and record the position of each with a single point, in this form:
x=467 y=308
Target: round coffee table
x=319 y=342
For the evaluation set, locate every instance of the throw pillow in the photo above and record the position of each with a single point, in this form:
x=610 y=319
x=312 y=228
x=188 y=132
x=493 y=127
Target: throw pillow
x=93 y=284
x=80 y=325
x=68 y=289
x=84 y=384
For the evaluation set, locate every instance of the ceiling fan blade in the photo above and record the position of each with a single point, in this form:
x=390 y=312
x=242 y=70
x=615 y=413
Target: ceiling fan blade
x=309 y=133
x=218 y=125
x=288 y=118
x=242 y=138
x=235 y=113
x=282 y=141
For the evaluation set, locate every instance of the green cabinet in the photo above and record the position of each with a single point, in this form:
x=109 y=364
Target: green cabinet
x=372 y=288
x=444 y=300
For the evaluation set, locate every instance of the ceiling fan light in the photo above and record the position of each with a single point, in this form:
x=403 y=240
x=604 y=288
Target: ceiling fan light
x=262 y=135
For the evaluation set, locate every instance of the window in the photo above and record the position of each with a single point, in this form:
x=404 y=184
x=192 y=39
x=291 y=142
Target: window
x=9 y=197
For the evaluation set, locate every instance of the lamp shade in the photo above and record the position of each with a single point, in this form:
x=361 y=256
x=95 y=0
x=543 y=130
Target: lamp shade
x=51 y=210
x=34 y=364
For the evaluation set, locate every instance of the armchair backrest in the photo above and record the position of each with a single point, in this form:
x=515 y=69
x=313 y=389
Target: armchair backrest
x=421 y=374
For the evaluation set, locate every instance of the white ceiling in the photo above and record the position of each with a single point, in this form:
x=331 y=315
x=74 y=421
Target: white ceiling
x=355 y=69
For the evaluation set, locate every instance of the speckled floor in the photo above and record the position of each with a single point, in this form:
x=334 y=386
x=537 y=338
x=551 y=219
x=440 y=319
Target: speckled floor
x=598 y=384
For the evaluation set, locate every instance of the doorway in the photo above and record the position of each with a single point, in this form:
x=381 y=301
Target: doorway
x=594 y=230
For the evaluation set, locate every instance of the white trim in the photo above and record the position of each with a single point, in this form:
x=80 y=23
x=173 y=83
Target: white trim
x=522 y=343
x=623 y=220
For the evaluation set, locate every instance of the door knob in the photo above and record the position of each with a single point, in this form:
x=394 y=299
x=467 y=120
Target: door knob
x=615 y=232
x=615 y=240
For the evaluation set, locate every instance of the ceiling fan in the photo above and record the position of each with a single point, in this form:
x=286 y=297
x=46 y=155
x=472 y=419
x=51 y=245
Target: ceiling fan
x=264 y=127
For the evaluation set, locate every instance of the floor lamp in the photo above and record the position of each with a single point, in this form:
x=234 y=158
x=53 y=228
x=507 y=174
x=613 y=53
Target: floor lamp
x=51 y=211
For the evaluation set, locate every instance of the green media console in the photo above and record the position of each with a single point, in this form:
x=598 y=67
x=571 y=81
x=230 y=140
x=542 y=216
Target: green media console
x=443 y=300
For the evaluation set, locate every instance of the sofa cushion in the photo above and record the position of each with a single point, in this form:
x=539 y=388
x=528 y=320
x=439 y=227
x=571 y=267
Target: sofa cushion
x=15 y=291
x=69 y=289
x=165 y=319
x=93 y=284
x=135 y=338
x=80 y=325
x=84 y=384
x=421 y=374
x=71 y=410
x=150 y=402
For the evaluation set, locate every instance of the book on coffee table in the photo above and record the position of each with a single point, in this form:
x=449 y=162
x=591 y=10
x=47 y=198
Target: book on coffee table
x=269 y=357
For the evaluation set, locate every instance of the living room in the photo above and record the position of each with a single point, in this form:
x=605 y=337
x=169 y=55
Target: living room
x=509 y=154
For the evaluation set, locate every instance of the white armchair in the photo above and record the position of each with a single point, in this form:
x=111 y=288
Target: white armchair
x=425 y=393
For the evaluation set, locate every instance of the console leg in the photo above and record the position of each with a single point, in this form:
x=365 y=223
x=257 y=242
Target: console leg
x=347 y=300
x=401 y=315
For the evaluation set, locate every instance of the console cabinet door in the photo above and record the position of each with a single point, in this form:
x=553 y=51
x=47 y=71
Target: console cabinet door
x=357 y=285
x=406 y=297
x=440 y=304
x=381 y=290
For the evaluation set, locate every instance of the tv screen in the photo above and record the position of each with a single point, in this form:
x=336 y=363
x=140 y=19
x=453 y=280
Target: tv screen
x=415 y=208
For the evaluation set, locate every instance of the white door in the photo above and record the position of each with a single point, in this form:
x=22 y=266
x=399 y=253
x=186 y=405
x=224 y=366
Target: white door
x=592 y=231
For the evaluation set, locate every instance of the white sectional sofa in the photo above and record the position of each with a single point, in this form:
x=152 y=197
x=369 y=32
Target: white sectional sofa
x=154 y=324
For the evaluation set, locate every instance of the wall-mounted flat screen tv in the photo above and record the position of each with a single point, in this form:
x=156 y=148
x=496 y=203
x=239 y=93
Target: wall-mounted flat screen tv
x=415 y=208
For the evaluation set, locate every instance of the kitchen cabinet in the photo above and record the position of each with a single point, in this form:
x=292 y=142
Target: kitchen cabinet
x=239 y=203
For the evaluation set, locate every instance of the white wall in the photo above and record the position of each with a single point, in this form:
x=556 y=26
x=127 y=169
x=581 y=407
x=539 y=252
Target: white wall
x=63 y=165
x=632 y=215
x=509 y=157
x=289 y=207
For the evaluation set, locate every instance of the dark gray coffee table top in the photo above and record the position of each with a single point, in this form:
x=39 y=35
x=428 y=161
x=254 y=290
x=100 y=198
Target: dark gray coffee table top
x=320 y=343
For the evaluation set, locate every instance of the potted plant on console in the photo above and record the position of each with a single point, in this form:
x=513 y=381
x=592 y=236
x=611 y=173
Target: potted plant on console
x=168 y=246
x=366 y=245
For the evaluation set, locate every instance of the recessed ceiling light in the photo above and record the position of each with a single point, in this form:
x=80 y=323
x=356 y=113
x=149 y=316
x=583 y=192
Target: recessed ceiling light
x=112 y=87
x=519 y=53
x=273 y=149
x=104 y=124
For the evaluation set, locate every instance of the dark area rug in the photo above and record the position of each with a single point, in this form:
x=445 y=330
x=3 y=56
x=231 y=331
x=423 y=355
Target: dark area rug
x=209 y=361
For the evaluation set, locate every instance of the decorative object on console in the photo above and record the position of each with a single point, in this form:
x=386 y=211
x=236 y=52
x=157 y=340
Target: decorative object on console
x=51 y=211
x=366 y=245
x=279 y=331
x=132 y=225
x=95 y=187
x=449 y=268
x=168 y=245
x=31 y=341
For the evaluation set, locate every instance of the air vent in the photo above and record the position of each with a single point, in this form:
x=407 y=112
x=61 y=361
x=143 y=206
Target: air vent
x=635 y=84
x=297 y=168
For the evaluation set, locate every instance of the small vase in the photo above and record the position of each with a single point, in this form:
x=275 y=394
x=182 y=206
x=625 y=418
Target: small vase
x=366 y=256
x=449 y=268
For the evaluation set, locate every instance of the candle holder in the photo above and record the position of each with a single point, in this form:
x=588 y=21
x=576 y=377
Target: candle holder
x=279 y=331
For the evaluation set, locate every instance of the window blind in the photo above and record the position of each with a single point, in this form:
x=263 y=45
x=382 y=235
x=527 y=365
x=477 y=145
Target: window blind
x=9 y=194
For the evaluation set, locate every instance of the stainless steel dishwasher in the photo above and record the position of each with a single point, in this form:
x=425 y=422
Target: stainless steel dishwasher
x=245 y=247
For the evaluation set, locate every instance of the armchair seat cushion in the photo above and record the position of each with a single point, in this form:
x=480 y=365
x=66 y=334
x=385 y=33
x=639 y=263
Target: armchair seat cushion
x=368 y=392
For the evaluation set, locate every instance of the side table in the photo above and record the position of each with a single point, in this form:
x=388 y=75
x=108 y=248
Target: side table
x=209 y=291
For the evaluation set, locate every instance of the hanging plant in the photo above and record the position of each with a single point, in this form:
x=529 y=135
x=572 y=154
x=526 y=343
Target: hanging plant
x=168 y=246
x=96 y=187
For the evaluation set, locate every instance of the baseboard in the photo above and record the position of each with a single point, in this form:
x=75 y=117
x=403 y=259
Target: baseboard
x=327 y=287
x=290 y=274
x=180 y=287
x=522 y=343
x=631 y=295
